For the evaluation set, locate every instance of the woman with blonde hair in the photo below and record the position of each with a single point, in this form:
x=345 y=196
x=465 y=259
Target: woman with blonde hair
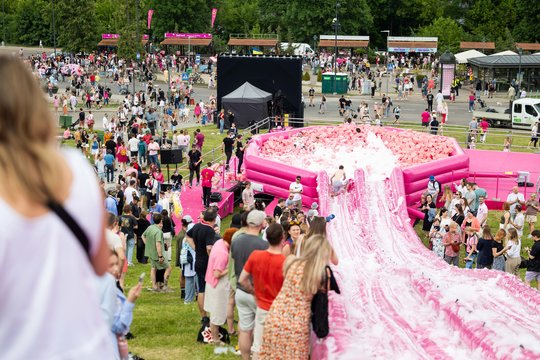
x=513 y=254
x=42 y=190
x=447 y=196
x=287 y=325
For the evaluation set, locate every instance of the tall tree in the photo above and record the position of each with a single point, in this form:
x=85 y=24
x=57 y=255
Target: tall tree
x=449 y=32
x=76 y=29
x=526 y=27
x=33 y=19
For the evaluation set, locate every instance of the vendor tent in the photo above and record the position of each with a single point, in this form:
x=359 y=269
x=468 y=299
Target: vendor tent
x=248 y=103
x=463 y=57
x=506 y=52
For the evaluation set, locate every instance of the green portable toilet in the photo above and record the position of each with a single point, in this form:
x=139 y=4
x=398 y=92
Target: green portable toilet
x=341 y=83
x=65 y=121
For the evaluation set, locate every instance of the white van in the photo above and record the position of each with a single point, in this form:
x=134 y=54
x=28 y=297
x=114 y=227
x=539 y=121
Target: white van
x=299 y=48
x=523 y=114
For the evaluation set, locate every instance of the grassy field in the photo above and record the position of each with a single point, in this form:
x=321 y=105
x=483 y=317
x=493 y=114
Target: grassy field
x=165 y=328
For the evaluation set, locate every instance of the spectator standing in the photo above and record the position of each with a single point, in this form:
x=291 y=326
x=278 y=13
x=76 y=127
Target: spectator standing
x=483 y=211
x=227 y=147
x=518 y=222
x=195 y=160
x=263 y=277
x=240 y=152
x=128 y=226
x=207 y=174
x=155 y=249
x=452 y=241
x=248 y=197
x=217 y=289
x=533 y=265
x=499 y=250
x=530 y=215
x=484 y=247
x=429 y=98
x=296 y=189
x=201 y=237
x=426 y=117
x=241 y=249
x=513 y=254
x=514 y=198
x=433 y=187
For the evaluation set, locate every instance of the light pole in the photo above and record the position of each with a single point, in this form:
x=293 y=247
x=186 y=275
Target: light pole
x=387 y=59
x=520 y=52
x=53 y=27
x=3 y=23
x=335 y=25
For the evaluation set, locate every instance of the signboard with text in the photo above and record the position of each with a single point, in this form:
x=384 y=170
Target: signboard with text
x=187 y=36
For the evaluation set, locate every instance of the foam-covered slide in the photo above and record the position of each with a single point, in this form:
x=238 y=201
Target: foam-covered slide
x=400 y=301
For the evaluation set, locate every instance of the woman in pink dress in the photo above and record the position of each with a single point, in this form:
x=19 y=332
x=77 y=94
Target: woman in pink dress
x=122 y=154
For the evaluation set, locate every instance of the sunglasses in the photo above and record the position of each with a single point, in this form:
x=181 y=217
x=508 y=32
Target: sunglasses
x=294 y=222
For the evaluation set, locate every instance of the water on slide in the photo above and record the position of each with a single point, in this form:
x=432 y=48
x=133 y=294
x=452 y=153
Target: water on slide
x=398 y=300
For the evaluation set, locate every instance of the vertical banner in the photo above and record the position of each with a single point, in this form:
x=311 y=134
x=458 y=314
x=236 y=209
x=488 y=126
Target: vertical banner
x=150 y=13
x=214 y=13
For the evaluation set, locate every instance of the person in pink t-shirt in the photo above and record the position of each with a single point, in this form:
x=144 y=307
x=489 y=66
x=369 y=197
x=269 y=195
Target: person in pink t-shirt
x=484 y=125
x=218 y=287
x=426 y=117
x=207 y=175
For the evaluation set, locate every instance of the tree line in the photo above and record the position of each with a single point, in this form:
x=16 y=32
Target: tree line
x=80 y=23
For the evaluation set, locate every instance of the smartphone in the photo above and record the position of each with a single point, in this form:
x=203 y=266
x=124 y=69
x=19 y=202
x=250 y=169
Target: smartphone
x=141 y=278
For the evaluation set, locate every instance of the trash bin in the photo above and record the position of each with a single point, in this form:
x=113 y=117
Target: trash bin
x=341 y=83
x=65 y=121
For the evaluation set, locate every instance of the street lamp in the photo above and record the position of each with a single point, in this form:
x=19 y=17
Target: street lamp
x=520 y=52
x=335 y=25
x=387 y=58
x=53 y=27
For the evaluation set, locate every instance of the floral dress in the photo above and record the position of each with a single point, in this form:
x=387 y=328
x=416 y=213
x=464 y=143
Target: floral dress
x=287 y=325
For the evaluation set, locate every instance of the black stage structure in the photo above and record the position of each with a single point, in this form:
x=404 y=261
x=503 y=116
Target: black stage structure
x=281 y=76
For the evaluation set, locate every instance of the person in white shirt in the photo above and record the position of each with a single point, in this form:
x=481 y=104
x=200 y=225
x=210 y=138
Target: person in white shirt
x=482 y=213
x=183 y=141
x=133 y=146
x=105 y=122
x=439 y=98
x=296 y=190
x=513 y=254
x=131 y=191
x=514 y=198
x=248 y=197
x=519 y=220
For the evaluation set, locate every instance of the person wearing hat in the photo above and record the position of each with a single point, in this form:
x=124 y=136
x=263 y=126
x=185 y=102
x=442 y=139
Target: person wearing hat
x=241 y=249
x=434 y=124
x=433 y=187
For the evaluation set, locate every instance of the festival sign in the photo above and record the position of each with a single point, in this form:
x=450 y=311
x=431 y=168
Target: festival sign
x=187 y=36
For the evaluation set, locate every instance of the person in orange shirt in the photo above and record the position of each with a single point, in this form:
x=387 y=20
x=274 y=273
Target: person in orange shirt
x=263 y=276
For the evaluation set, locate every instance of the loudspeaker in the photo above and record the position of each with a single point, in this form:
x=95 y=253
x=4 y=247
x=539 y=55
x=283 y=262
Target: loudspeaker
x=172 y=156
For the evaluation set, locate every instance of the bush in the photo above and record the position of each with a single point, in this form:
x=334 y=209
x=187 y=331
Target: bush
x=319 y=75
x=306 y=76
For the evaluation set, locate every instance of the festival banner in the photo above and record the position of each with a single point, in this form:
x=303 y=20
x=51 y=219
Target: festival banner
x=187 y=36
x=150 y=13
x=214 y=13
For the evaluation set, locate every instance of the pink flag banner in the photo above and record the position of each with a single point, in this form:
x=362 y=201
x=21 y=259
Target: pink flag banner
x=214 y=14
x=187 y=36
x=110 y=36
x=150 y=13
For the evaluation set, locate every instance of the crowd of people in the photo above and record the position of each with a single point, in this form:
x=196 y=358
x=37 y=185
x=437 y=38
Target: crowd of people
x=461 y=221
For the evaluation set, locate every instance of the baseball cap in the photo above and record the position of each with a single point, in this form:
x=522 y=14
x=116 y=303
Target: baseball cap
x=188 y=218
x=255 y=218
x=431 y=178
x=314 y=205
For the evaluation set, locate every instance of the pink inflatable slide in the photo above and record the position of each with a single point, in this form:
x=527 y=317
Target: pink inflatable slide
x=398 y=299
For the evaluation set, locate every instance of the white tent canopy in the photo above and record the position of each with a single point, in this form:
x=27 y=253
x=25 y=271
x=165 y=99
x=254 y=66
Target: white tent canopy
x=506 y=52
x=463 y=57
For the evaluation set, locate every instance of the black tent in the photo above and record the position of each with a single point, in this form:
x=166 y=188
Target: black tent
x=248 y=103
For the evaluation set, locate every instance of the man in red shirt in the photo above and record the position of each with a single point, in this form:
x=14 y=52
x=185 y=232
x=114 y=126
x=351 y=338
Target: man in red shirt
x=207 y=175
x=263 y=276
x=426 y=117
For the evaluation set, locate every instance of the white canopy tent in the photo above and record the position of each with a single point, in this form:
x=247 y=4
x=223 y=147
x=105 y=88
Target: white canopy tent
x=506 y=52
x=463 y=57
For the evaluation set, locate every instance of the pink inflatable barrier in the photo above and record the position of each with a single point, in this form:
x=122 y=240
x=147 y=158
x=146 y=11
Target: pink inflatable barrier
x=274 y=178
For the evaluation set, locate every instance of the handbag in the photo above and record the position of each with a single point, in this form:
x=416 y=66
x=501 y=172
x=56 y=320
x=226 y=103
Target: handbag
x=319 y=305
x=455 y=247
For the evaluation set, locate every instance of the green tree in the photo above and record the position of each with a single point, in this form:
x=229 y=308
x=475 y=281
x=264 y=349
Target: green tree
x=33 y=19
x=449 y=32
x=76 y=29
x=526 y=27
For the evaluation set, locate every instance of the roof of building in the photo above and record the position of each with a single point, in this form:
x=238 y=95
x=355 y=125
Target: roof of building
x=506 y=61
x=189 y=41
x=252 y=42
x=477 y=45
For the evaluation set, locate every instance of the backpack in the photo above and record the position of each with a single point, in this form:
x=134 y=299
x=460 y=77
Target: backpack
x=185 y=255
x=123 y=152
